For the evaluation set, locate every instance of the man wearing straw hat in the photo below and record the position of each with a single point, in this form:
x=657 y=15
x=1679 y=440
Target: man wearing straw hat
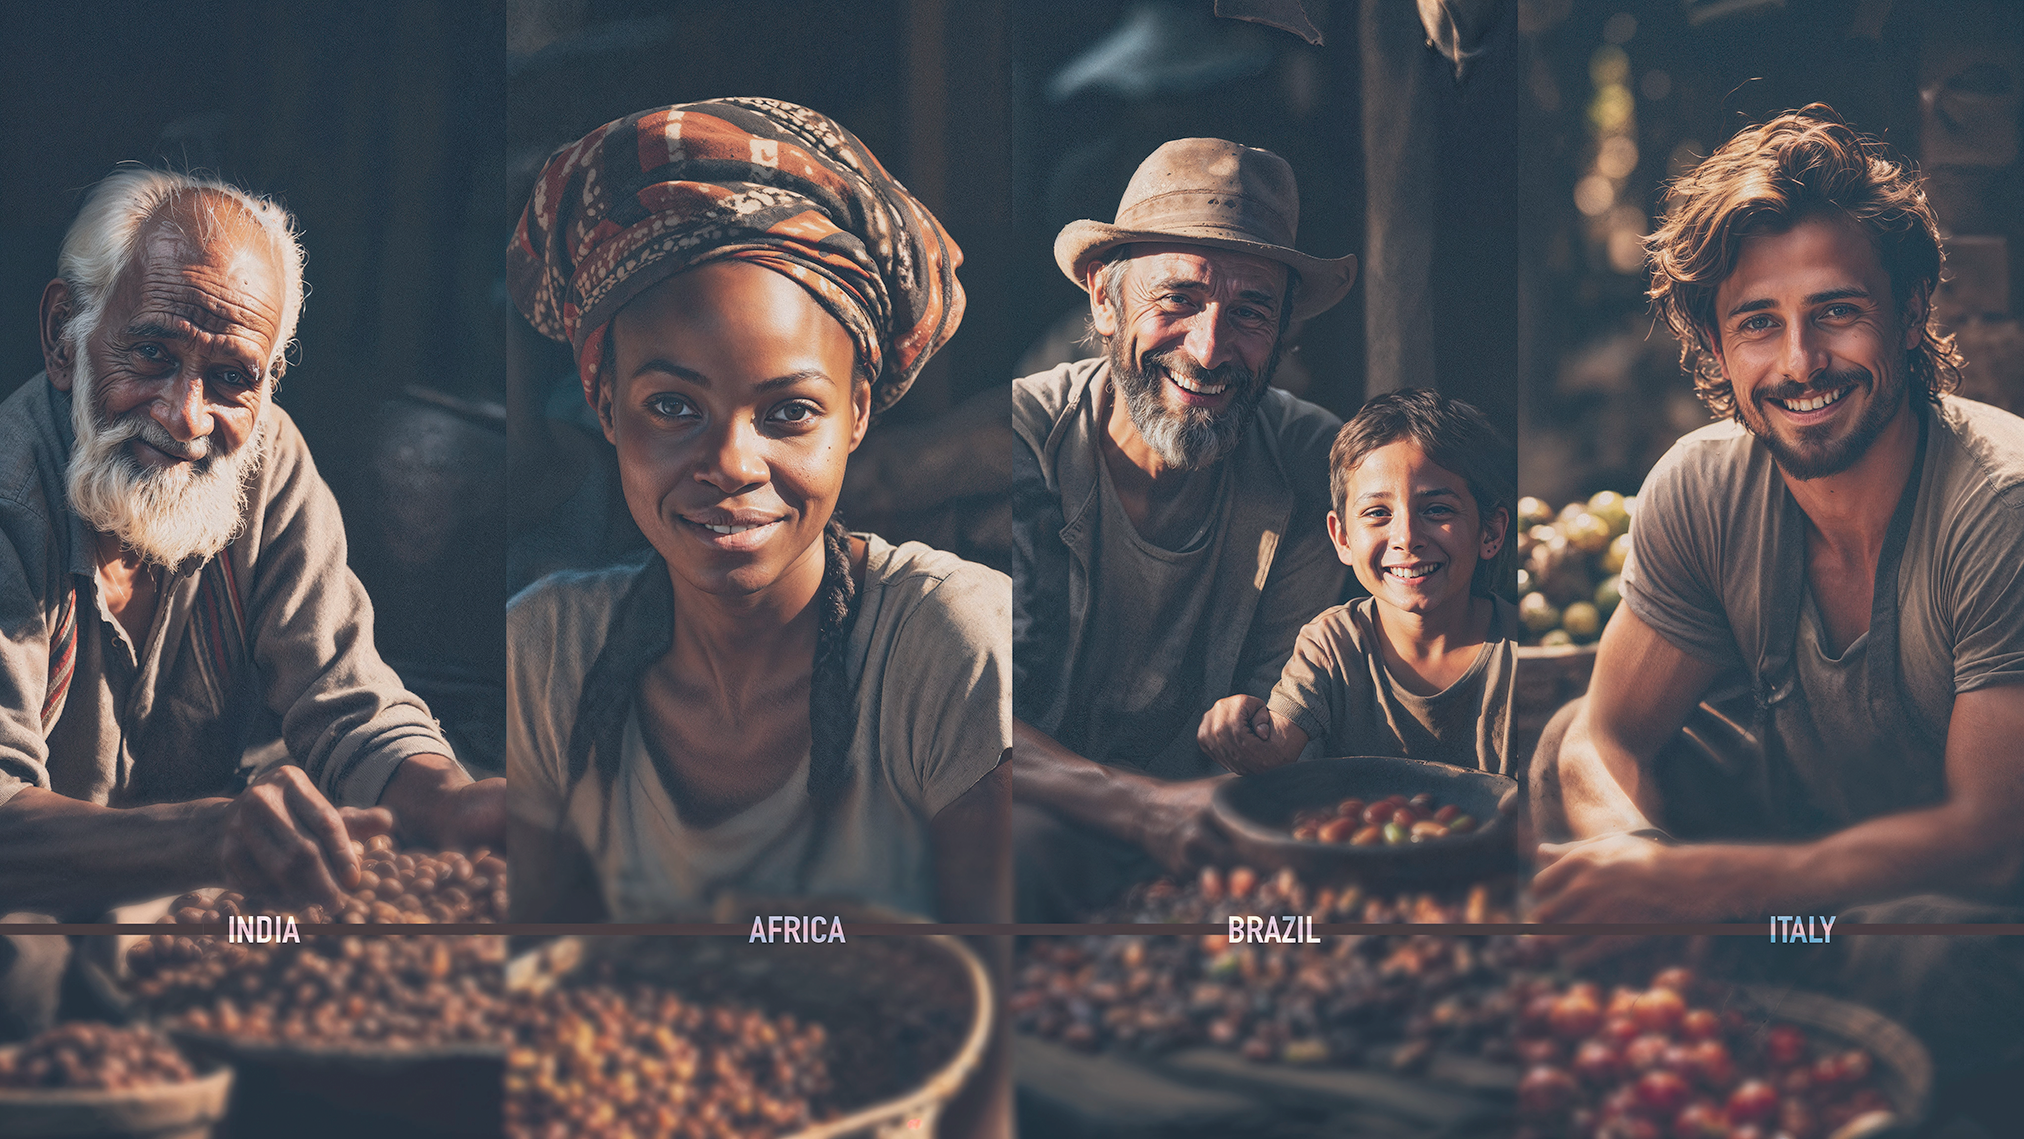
x=1168 y=518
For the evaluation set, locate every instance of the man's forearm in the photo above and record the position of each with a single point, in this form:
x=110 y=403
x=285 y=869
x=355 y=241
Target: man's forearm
x=1046 y=773
x=1935 y=850
x=1603 y=785
x=66 y=857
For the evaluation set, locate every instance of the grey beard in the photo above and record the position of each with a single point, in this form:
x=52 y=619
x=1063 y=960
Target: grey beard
x=1192 y=438
x=166 y=515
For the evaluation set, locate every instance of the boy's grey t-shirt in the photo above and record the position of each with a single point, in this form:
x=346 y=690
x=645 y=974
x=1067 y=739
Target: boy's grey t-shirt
x=1337 y=689
x=930 y=661
x=1715 y=517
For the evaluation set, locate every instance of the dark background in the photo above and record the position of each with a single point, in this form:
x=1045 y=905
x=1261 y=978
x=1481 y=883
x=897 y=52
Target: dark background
x=1009 y=121
x=378 y=124
x=1937 y=79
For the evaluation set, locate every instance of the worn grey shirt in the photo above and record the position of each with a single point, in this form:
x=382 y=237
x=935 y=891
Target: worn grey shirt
x=1337 y=689
x=1715 y=523
x=927 y=661
x=276 y=622
x=1120 y=644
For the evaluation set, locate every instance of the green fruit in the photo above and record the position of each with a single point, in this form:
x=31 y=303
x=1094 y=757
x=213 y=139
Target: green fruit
x=1587 y=533
x=1556 y=638
x=1537 y=613
x=1608 y=594
x=1617 y=554
x=1609 y=506
x=1582 y=621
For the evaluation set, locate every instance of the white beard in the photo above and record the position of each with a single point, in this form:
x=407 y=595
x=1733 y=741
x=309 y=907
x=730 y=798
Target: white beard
x=167 y=515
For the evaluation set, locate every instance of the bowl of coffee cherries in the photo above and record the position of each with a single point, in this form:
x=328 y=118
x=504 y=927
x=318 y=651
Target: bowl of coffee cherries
x=1371 y=819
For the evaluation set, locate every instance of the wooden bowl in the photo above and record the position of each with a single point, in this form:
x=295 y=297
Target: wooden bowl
x=1257 y=812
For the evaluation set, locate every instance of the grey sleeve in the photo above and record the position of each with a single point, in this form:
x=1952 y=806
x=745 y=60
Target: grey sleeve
x=1672 y=577
x=947 y=691
x=1039 y=586
x=347 y=718
x=1310 y=685
x=1306 y=578
x=24 y=666
x=1987 y=581
x=536 y=734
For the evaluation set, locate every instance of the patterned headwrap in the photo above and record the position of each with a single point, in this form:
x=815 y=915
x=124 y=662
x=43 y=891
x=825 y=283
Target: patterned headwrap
x=647 y=196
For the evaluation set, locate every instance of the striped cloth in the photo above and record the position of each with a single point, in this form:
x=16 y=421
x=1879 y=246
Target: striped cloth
x=652 y=194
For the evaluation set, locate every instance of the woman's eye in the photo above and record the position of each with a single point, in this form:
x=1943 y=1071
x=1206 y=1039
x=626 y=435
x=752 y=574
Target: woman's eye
x=794 y=413
x=668 y=406
x=1756 y=324
x=1841 y=310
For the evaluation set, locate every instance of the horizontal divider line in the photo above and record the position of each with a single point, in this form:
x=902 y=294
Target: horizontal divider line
x=1136 y=929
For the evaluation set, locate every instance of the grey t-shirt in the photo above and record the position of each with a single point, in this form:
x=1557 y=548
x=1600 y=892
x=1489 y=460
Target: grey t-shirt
x=1337 y=689
x=929 y=661
x=1715 y=526
x=1122 y=643
x=275 y=624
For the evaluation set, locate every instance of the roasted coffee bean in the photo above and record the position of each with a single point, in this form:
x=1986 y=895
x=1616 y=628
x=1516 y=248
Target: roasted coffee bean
x=82 y=1054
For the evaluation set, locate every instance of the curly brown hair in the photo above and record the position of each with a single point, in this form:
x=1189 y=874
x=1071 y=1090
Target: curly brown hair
x=1767 y=179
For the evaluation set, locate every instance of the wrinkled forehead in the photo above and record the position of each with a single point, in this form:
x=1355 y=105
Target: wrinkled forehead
x=206 y=261
x=1215 y=268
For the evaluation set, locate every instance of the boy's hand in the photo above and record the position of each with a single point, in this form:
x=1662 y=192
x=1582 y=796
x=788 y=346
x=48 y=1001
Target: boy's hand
x=1242 y=734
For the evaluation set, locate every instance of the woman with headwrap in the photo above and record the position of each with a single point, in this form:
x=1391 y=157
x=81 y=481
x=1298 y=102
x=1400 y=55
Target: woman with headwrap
x=766 y=703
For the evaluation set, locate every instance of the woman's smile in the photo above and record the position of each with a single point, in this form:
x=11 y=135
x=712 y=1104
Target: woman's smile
x=735 y=403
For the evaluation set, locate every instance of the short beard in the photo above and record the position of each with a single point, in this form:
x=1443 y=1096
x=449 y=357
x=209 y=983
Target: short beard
x=166 y=515
x=1826 y=457
x=1193 y=437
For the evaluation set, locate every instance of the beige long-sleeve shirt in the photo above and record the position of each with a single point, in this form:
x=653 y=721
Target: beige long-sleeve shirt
x=276 y=623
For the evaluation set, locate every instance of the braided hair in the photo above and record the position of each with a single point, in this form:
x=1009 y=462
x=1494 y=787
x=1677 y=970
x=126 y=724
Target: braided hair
x=642 y=631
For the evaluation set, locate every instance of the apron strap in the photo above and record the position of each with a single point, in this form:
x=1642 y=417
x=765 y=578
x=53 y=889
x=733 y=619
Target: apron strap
x=1889 y=712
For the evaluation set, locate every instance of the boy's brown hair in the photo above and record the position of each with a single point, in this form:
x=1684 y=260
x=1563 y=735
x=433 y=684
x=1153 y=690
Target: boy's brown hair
x=1455 y=435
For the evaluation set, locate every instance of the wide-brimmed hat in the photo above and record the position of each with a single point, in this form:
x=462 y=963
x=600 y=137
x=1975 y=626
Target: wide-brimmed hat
x=1205 y=191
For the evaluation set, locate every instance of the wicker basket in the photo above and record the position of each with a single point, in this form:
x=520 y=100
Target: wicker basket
x=163 y=1111
x=847 y=988
x=1904 y=1069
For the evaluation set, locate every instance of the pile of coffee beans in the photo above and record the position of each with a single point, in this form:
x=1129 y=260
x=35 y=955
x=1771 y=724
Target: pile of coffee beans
x=1394 y=820
x=1668 y=1061
x=89 y=1055
x=390 y=992
x=1381 y=1000
x=596 y=1061
x=394 y=888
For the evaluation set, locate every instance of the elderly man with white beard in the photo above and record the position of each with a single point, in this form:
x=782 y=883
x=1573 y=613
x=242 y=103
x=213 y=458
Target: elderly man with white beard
x=172 y=568
x=1168 y=518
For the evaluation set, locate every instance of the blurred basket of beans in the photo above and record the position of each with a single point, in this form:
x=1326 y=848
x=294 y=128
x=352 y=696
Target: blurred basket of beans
x=351 y=1033
x=895 y=1024
x=87 y=1079
x=1567 y=588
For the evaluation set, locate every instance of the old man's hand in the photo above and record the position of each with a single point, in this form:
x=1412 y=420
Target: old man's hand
x=1176 y=827
x=283 y=840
